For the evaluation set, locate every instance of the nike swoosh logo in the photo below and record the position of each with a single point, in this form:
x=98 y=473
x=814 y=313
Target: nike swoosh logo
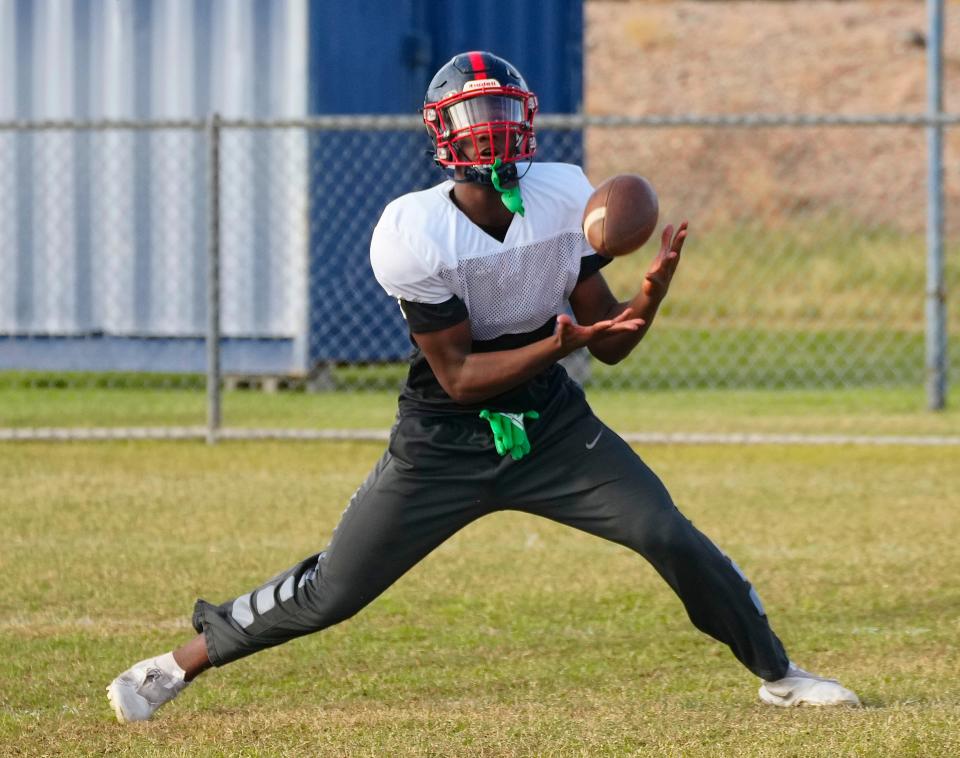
x=591 y=445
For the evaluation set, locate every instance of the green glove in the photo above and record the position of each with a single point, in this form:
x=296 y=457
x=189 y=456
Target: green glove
x=509 y=197
x=509 y=436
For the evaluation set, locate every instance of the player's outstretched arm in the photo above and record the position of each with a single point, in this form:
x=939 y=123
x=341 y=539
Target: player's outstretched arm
x=592 y=300
x=470 y=377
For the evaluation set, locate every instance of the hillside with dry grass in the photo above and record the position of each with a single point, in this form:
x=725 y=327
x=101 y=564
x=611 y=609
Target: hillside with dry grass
x=857 y=57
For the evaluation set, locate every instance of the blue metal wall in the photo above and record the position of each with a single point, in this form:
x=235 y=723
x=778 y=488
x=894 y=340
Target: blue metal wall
x=103 y=234
x=374 y=57
x=368 y=56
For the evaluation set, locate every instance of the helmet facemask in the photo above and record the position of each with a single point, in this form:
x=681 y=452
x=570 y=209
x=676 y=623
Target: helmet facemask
x=485 y=122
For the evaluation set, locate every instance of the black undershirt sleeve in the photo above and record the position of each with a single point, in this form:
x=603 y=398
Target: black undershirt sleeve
x=430 y=317
x=591 y=264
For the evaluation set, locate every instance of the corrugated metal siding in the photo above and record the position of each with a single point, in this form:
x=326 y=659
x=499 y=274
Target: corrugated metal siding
x=106 y=231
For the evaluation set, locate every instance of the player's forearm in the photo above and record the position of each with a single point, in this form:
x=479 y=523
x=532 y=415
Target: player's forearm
x=612 y=348
x=484 y=375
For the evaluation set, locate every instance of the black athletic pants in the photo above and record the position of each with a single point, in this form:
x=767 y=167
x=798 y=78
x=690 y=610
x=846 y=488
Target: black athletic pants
x=441 y=473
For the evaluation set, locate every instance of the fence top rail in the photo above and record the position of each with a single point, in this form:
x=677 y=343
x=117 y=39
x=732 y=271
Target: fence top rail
x=549 y=121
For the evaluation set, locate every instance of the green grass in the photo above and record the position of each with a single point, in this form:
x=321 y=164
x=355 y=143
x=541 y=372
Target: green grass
x=856 y=411
x=812 y=272
x=517 y=637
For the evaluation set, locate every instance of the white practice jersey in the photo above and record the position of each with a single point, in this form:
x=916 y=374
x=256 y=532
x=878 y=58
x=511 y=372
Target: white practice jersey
x=425 y=250
x=443 y=268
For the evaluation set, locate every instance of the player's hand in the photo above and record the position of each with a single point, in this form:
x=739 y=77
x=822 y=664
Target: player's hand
x=571 y=335
x=661 y=271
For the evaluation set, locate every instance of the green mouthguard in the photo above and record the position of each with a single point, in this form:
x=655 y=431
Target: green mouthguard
x=509 y=197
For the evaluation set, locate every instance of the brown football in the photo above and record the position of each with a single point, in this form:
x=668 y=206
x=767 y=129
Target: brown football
x=620 y=215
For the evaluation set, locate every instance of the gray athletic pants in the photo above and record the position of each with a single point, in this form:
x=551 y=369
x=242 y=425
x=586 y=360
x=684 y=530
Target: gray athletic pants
x=441 y=473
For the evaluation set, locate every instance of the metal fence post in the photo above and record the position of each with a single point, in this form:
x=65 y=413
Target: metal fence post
x=213 y=282
x=936 y=296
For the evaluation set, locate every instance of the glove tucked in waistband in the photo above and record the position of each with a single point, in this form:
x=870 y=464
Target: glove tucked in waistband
x=509 y=434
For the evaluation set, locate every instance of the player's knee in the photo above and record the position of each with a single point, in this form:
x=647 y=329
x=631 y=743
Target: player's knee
x=336 y=605
x=670 y=536
x=343 y=609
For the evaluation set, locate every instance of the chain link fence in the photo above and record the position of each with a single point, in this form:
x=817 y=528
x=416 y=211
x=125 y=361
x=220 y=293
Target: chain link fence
x=805 y=267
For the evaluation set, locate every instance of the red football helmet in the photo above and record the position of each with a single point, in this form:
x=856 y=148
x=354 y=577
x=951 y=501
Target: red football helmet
x=477 y=109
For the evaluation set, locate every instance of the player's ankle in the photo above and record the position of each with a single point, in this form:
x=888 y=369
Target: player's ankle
x=169 y=665
x=192 y=658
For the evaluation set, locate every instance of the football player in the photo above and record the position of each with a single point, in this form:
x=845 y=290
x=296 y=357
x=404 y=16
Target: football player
x=484 y=267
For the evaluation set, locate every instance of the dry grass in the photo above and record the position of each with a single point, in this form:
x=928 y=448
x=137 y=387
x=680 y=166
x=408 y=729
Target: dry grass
x=517 y=637
x=743 y=57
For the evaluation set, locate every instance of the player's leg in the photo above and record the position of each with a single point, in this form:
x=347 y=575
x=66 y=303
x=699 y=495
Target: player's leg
x=393 y=520
x=608 y=491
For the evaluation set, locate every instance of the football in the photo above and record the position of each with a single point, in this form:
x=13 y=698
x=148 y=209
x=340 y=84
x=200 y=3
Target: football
x=621 y=215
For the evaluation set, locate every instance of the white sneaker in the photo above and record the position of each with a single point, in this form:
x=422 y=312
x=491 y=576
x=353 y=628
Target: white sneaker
x=800 y=687
x=137 y=693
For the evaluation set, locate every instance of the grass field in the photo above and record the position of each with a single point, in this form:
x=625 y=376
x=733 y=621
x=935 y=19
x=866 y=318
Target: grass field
x=517 y=637
x=896 y=411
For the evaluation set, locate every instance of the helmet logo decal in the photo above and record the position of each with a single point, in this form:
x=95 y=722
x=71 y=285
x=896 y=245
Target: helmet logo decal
x=476 y=84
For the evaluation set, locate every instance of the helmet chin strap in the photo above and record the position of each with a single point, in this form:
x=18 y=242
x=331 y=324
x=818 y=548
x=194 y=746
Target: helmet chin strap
x=497 y=175
x=483 y=174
